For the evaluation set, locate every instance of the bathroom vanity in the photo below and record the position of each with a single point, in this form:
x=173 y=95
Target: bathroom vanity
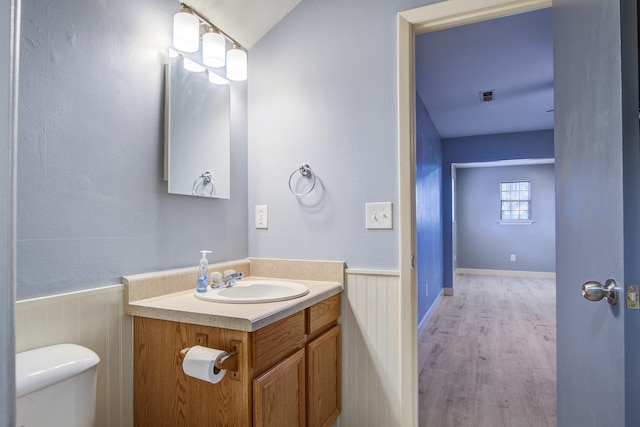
x=287 y=368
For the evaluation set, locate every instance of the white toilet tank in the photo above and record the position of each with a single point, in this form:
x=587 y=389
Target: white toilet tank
x=56 y=386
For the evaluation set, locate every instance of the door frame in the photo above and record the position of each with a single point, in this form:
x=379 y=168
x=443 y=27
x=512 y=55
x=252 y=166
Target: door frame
x=9 y=42
x=424 y=19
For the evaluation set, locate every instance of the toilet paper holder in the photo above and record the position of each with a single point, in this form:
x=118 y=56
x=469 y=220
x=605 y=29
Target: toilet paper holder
x=229 y=361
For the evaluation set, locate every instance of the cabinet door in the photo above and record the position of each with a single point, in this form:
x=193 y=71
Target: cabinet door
x=279 y=394
x=323 y=379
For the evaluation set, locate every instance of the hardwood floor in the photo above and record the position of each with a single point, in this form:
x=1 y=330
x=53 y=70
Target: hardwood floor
x=488 y=355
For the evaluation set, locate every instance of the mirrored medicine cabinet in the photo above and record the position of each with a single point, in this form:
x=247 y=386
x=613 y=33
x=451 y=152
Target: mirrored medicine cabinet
x=198 y=133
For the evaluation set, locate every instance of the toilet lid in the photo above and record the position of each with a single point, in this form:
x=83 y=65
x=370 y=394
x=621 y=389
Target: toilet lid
x=42 y=367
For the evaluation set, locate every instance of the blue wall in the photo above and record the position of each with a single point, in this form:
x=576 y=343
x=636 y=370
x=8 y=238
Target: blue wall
x=483 y=242
x=428 y=209
x=484 y=148
x=92 y=202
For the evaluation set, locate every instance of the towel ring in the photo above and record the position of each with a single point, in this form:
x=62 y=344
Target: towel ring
x=305 y=171
x=206 y=180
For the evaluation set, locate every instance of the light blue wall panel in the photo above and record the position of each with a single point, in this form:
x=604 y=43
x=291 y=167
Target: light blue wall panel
x=483 y=243
x=484 y=148
x=92 y=203
x=322 y=90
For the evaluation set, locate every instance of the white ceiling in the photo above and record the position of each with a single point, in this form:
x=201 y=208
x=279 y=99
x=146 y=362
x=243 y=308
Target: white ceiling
x=511 y=55
x=246 y=21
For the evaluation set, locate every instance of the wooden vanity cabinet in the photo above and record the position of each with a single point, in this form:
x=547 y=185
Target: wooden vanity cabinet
x=323 y=379
x=323 y=363
x=288 y=373
x=279 y=397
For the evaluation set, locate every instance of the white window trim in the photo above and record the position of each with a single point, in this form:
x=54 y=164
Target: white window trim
x=516 y=221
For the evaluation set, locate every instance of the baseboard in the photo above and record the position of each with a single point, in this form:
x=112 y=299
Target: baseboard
x=512 y=273
x=422 y=326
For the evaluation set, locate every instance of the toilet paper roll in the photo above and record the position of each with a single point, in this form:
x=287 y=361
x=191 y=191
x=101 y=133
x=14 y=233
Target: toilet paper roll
x=200 y=363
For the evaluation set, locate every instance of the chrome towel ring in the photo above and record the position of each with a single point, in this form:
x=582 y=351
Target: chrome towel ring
x=306 y=172
x=203 y=181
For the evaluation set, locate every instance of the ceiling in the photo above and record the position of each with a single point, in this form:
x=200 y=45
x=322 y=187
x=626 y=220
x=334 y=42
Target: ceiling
x=246 y=21
x=511 y=55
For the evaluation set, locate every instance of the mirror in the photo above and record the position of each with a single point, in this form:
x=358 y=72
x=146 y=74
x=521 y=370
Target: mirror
x=198 y=133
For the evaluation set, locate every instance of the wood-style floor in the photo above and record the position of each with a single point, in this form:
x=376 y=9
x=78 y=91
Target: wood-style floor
x=488 y=355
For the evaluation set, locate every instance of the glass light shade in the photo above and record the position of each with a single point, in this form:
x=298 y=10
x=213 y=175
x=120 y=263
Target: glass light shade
x=217 y=79
x=213 y=49
x=192 y=66
x=236 y=64
x=186 y=32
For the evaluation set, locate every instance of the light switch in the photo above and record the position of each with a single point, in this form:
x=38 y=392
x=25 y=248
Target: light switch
x=379 y=216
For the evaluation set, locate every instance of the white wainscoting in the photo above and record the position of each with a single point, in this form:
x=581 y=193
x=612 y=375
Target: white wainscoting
x=370 y=321
x=95 y=319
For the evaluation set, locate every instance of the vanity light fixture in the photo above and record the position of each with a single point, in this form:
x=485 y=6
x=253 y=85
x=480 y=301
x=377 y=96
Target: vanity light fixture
x=186 y=31
x=214 y=47
x=236 y=64
x=214 y=43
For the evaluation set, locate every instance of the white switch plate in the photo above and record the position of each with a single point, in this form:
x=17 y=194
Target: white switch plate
x=262 y=216
x=379 y=216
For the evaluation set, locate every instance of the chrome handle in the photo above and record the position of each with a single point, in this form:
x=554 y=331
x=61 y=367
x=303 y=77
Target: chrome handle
x=594 y=291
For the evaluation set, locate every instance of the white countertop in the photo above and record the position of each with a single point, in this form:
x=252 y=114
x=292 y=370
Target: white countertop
x=184 y=307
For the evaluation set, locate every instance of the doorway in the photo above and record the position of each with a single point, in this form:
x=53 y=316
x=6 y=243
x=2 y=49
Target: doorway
x=487 y=90
x=438 y=16
x=487 y=357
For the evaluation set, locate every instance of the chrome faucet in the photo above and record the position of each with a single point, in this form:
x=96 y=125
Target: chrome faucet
x=216 y=280
x=229 y=277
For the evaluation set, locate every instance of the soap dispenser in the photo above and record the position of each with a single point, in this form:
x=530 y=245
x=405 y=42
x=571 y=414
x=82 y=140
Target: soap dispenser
x=203 y=272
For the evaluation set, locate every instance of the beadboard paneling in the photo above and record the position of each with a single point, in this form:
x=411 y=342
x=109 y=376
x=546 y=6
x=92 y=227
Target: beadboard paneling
x=370 y=320
x=95 y=319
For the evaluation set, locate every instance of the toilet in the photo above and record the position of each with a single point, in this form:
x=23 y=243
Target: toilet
x=56 y=386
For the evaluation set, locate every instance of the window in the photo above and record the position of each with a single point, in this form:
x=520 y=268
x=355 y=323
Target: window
x=515 y=200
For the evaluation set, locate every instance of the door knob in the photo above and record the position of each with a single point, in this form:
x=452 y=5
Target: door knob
x=595 y=291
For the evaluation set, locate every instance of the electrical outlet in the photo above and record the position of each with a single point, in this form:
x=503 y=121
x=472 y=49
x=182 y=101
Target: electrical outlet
x=513 y=257
x=379 y=216
x=262 y=216
x=201 y=339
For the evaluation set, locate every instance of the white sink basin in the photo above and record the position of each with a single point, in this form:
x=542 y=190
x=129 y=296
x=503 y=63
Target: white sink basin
x=250 y=291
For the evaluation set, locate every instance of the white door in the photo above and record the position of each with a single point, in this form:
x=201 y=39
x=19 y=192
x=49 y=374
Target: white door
x=596 y=151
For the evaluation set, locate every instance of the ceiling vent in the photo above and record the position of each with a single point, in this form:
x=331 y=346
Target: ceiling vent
x=487 y=95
